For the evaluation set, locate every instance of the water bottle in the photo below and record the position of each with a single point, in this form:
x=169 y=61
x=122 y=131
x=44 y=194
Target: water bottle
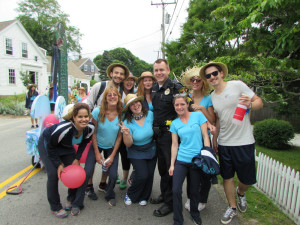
x=239 y=114
x=104 y=167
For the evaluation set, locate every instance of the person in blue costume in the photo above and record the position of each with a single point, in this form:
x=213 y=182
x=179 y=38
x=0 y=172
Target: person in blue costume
x=30 y=96
x=191 y=128
x=56 y=149
x=201 y=103
x=107 y=137
x=138 y=137
x=145 y=84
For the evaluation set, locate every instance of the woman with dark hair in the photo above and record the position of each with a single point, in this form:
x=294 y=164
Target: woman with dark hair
x=51 y=98
x=30 y=96
x=128 y=86
x=56 y=149
x=191 y=128
x=138 y=137
x=107 y=137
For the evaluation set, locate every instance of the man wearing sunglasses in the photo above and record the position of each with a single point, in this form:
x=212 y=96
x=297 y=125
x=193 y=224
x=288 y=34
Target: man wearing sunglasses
x=234 y=143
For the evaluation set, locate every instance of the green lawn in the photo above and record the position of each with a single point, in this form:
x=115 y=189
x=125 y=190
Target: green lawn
x=262 y=210
x=289 y=157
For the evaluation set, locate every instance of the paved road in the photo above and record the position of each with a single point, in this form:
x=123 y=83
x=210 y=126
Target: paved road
x=31 y=207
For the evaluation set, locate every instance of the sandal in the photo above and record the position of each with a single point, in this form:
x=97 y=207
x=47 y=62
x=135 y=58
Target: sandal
x=75 y=211
x=60 y=214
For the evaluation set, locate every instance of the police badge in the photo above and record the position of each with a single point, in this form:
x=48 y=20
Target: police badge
x=167 y=91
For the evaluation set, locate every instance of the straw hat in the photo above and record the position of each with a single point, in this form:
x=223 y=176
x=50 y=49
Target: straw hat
x=113 y=65
x=188 y=74
x=81 y=88
x=131 y=77
x=146 y=74
x=130 y=98
x=222 y=65
x=68 y=112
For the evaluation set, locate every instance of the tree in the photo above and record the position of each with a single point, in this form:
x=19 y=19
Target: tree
x=124 y=56
x=39 y=17
x=25 y=78
x=258 y=40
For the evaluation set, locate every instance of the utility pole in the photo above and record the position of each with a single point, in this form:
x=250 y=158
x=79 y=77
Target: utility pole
x=163 y=4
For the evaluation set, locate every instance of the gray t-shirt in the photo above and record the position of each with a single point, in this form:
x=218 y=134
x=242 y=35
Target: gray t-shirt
x=224 y=105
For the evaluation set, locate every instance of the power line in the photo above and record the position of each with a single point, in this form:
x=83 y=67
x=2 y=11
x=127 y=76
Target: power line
x=177 y=17
x=172 y=17
x=122 y=43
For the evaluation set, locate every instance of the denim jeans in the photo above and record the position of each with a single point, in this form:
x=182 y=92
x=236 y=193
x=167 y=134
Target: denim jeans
x=181 y=169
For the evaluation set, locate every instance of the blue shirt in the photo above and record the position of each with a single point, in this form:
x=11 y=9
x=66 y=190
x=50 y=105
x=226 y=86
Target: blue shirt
x=190 y=136
x=77 y=141
x=206 y=101
x=141 y=135
x=107 y=132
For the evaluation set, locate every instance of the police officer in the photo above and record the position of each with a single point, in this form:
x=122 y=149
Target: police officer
x=162 y=100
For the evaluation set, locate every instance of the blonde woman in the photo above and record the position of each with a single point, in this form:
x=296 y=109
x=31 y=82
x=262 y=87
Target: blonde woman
x=107 y=136
x=145 y=84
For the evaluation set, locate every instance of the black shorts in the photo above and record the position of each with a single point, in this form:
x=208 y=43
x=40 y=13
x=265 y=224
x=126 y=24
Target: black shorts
x=239 y=159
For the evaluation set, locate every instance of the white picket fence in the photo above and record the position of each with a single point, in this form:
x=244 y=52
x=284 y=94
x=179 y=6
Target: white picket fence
x=281 y=184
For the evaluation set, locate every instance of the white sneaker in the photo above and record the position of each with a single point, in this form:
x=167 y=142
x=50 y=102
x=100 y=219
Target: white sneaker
x=228 y=215
x=143 y=202
x=127 y=200
x=242 y=203
x=201 y=206
x=187 y=204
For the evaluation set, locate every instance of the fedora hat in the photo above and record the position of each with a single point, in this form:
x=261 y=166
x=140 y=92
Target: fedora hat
x=222 y=65
x=146 y=74
x=188 y=74
x=113 y=65
x=131 y=77
x=130 y=98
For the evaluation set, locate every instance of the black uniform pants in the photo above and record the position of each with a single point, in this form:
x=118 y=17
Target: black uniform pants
x=163 y=148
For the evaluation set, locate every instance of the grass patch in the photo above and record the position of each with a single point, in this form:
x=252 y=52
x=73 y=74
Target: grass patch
x=261 y=210
x=289 y=157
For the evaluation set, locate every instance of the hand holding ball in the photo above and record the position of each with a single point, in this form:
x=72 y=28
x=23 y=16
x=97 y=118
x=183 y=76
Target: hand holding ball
x=73 y=176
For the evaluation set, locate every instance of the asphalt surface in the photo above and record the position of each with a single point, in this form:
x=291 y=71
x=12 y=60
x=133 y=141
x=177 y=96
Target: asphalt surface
x=31 y=207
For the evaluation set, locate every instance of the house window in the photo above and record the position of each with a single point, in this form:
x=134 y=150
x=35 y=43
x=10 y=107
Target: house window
x=85 y=68
x=92 y=69
x=11 y=76
x=9 y=48
x=24 y=50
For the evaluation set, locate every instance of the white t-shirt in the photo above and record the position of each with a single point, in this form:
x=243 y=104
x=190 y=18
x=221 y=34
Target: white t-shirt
x=224 y=105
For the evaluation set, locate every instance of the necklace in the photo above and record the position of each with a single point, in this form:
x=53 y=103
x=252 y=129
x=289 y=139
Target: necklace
x=138 y=117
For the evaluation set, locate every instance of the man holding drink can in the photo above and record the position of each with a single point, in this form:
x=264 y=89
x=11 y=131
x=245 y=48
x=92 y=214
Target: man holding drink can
x=233 y=139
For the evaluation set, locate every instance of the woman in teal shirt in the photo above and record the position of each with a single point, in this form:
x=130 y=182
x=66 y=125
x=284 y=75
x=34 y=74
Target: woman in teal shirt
x=107 y=136
x=138 y=137
x=191 y=128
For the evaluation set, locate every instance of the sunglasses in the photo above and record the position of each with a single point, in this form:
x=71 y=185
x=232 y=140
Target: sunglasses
x=112 y=95
x=215 y=73
x=195 y=79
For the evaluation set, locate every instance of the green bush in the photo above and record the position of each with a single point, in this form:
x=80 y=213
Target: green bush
x=273 y=133
x=13 y=105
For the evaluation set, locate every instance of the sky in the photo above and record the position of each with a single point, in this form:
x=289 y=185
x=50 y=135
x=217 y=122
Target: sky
x=109 y=24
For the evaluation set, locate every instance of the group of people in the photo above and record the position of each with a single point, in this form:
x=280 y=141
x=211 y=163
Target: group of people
x=155 y=124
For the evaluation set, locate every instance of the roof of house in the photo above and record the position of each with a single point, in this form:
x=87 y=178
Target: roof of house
x=73 y=70
x=6 y=23
x=80 y=62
